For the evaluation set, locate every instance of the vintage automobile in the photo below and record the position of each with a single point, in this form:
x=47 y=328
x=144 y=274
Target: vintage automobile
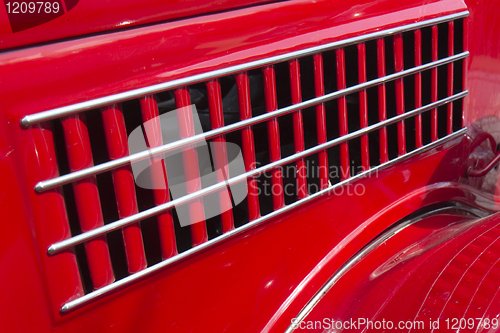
x=250 y=166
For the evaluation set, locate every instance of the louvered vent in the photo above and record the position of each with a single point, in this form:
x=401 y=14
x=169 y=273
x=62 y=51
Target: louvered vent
x=307 y=123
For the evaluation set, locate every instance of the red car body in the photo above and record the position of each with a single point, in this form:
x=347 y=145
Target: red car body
x=300 y=262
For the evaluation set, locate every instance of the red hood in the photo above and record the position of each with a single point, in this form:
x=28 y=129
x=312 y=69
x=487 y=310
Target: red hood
x=81 y=17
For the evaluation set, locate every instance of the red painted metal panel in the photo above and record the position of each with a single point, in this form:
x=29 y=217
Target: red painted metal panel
x=298 y=128
x=342 y=105
x=84 y=19
x=220 y=153
x=153 y=137
x=363 y=106
x=456 y=275
x=319 y=88
x=273 y=136
x=40 y=279
x=123 y=182
x=88 y=204
x=191 y=168
x=93 y=72
x=382 y=106
x=418 y=88
x=400 y=94
x=434 y=84
x=248 y=144
x=451 y=37
x=247 y=258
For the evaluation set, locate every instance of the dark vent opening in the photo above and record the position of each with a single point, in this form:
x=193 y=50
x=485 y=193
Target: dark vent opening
x=355 y=156
x=307 y=77
x=117 y=254
x=374 y=147
x=261 y=144
x=283 y=89
x=410 y=134
x=409 y=92
x=199 y=97
x=392 y=141
x=426 y=45
x=132 y=114
x=390 y=93
x=443 y=40
x=371 y=60
x=409 y=50
x=286 y=135
x=214 y=224
x=426 y=87
x=443 y=81
x=353 y=116
x=151 y=238
x=83 y=266
x=264 y=187
x=458 y=41
x=230 y=101
x=289 y=172
x=334 y=163
x=458 y=76
x=351 y=65
x=372 y=101
x=313 y=171
x=457 y=115
x=389 y=55
x=330 y=71
x=257 y=100
x=182 y=234
x=332 y=119
x=426 y=127
x=240 y=213
x=442 y=121
x=310 y=128
x=96 y=136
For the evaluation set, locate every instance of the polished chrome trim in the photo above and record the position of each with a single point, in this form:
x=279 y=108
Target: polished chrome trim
x=74 y=304
x=103 y=167
x=65 y=244
x=365 y=251
x=75 y=108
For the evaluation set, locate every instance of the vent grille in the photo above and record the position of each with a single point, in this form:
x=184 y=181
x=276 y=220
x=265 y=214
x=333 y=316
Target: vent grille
x=307 y=122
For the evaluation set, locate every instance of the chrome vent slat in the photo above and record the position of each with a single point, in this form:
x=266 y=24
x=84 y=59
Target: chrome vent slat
x=63 y=245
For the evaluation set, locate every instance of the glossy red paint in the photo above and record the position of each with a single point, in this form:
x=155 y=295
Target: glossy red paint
x=382 y=107
x=273 y=134
x=298 y=128
x=159 y=176
x=93 y=16
x=123 y=182
x=248 y=145
x=363 y=107
x=190 y=160
x=319 y=89
x=418 y=88
x=220 y=153
x=88 y=203
x=73 y=71
x=260 y=280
